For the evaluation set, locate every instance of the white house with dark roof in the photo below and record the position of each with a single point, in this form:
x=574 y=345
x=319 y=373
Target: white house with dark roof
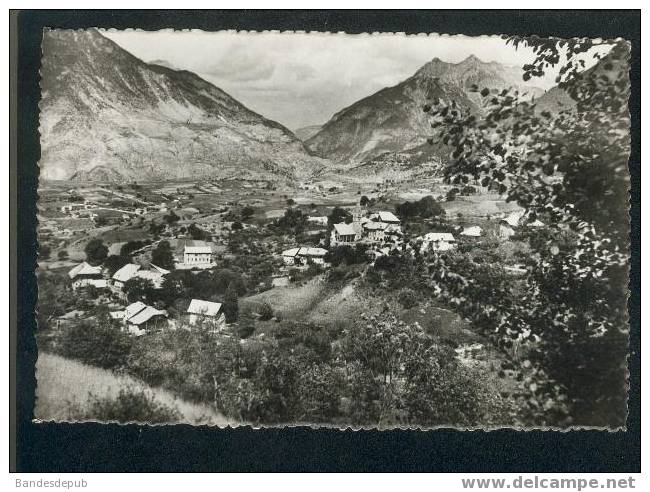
x=84 y=274
x=211 y=312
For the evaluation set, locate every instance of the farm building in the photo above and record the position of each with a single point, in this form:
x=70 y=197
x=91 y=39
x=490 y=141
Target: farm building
x=304 y=255
x=474 y=231
x=83 y=275
x=138 y=318
x=437 y=241
x=387 y=217
x=155 y=274
x=206 y=311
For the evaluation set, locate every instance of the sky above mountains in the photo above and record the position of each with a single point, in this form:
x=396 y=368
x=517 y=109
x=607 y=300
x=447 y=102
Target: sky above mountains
x=301 y=79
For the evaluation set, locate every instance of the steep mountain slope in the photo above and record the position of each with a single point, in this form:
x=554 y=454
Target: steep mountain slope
x=105 y=114
x=392 y=119
x=307 y=132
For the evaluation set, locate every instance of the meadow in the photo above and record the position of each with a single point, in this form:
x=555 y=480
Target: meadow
x=64 y=387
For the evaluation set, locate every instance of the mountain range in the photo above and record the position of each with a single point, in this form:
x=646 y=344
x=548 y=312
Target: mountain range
x=107 y=115
x=392 y=120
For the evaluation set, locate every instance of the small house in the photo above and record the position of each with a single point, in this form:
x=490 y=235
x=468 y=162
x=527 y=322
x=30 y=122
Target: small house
x=474 y=231
x=290 y=256
x=206 y=311
x=344 y=234
x=83 y=275
x=387 y=217
x=313 y=255
x=317 y=220
x=154 y=274
x=139 y=318
x=375 y=231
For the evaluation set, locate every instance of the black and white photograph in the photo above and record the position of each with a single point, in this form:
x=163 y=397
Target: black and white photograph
x=333 y=230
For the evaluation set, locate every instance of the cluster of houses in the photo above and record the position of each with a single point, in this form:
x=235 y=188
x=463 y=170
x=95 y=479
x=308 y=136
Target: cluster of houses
x=139 y=318
x=365 y=229
x=381 y=230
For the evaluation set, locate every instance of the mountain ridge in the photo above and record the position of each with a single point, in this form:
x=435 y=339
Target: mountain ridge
x=391 y=119
x=106 y=114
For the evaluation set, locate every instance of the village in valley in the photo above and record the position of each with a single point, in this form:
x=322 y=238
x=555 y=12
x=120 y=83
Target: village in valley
x=236 y=260
x=145 y=228
x=441 y=244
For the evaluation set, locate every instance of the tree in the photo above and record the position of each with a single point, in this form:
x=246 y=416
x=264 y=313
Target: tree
x=236 y=226
x=129 y=247
x=247 y=213
x=265 y=312
x=197 y=233
x=291 y=202
x=96 y=251
x=569 y=167
x=113 y=263
x=96 y=343
x=231 y=304
x=62 y=255
x=293 y=220
x=163 y=256
x=140 y=289
x=339 y=215
x=364 y=201
x=171 y=218
x=426 y=207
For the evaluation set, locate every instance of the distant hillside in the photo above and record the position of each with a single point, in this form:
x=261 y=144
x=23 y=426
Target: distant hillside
x=307 y=132
x=106 y=115
x=392 y=119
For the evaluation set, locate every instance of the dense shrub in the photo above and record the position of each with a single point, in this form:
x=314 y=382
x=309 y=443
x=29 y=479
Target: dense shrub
x=265 y=311
x=96 y=343
x=130 y=405
x=424 y=208
x=407 y=298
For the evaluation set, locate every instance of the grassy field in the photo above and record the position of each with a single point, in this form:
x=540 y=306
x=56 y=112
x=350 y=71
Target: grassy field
x=63 y=384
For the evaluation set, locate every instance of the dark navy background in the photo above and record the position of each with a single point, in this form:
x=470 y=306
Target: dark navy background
x=105 y=448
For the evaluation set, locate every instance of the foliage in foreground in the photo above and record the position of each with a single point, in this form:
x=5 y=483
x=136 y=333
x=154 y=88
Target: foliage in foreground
x=130 y=405
x=568 y=168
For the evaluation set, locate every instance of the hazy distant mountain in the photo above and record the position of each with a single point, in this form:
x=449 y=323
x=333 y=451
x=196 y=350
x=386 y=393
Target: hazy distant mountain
x=392 y=119
x=163 y=63
x=307 y=132
x=105 y=114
